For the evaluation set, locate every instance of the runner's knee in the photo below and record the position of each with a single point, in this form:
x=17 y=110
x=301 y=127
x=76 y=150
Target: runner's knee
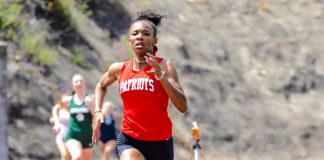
x=133 y=154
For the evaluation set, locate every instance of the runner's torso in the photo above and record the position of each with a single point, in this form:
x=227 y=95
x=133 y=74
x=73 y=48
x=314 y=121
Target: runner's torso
x=145 y=104
x=80 y=120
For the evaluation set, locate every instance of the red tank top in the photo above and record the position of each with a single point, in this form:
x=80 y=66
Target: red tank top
x=145 y=104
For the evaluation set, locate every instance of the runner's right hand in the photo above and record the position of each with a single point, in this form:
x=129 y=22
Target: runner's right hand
x=56 y=128
x=98 y=119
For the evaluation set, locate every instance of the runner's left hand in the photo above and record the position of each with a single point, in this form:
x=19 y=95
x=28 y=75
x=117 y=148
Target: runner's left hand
x=152 y=61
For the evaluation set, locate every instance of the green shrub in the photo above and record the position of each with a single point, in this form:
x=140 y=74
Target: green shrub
x=10 y=19
x=77 y=56
x=34 y=45
x=33 y=41
x=45 y=56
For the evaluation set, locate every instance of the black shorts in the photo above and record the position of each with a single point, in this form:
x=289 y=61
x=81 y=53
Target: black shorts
x=152 y=150
x=107 y=133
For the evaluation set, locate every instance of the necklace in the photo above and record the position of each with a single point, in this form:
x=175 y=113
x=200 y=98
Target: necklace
x=138 y=61
x=140 y=65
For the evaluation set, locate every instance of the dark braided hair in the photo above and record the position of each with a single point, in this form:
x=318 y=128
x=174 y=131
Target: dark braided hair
x=154 y=19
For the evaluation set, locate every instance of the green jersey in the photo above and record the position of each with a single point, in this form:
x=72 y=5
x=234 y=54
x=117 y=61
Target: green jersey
x=80 y=123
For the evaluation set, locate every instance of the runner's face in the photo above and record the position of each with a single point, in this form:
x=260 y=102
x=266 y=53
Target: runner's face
x=141 y=37
x=78 y=83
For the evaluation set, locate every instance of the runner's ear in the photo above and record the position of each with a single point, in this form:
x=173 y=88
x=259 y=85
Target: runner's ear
x=155 y=49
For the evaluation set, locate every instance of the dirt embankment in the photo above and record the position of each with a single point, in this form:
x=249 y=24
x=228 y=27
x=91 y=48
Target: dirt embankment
x=253 y=78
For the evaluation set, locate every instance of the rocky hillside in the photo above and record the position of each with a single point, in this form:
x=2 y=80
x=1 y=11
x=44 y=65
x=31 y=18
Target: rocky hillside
x=252 y=73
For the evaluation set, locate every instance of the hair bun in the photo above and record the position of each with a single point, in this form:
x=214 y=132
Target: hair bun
x=149 y=15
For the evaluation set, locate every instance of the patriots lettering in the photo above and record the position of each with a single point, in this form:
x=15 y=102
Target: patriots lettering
x=135 y=84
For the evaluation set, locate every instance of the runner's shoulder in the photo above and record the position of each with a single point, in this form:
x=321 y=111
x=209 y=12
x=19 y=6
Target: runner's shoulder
x=116 y=67
x=66 y=98
x=88 y=98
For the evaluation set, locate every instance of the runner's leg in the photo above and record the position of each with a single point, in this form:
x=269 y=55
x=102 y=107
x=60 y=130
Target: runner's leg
x=75 y=149
x=63 y=150
x=109 y=148
x=102 y=148
x=87 y=154
x=132 y=154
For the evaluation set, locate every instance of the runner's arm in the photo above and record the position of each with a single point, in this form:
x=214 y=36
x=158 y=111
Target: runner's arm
x=171 y=85
x=90 y=104
x=100 y=91
x=58 y=106
x=106 y=80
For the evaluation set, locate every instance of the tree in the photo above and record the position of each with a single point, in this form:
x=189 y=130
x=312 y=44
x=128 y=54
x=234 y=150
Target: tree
x=3 y=103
